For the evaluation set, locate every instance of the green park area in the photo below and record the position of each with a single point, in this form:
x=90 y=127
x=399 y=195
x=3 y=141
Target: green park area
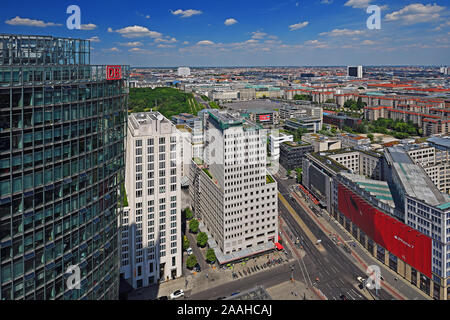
x=396 y=128
x=168 y=101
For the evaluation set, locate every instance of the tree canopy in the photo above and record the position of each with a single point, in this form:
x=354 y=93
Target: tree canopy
x=202 y=239
x=210 y=255
x=306 y=97
x=191 y=261
x=168 y=101
x=193 y=225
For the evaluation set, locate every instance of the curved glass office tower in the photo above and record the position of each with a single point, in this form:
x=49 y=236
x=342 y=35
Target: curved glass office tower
x=62 y=129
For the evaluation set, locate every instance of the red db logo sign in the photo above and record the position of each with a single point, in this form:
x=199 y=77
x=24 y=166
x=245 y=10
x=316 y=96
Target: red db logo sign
x=113 y=72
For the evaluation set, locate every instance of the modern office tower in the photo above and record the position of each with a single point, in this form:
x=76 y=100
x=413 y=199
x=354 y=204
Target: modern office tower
x=183 y=71
x=61 y=164
x=151 y=234
x=355 y=71
x=232 y=192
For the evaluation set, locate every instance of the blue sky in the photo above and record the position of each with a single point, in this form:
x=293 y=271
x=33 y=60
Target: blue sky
x=245 y=32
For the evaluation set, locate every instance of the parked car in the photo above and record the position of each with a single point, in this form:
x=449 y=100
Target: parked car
x=163 y=298
x=189 y=251
x=197 y=268
x=343 y=297
x=177 y=294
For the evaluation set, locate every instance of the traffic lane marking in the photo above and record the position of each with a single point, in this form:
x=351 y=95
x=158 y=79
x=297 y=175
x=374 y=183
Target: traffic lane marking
x=300 y=222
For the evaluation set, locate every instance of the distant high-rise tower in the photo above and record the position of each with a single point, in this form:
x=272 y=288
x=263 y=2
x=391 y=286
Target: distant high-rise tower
x=355 y=71
x=184 y=71
x=62 y=138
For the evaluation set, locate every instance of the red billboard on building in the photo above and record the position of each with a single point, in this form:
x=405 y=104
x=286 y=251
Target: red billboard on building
x=404 y=242
x=113 y=72
x=264 y=117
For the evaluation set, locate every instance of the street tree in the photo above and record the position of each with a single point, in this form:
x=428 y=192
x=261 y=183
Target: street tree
x=202 y=239
x=193 y=225
x=186 y=243
x=210 y=255
x=191 y=261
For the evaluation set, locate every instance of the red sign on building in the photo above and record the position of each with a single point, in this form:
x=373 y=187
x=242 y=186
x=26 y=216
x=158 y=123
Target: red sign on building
x=404 y=242
x=264 y=117
x=113 y=72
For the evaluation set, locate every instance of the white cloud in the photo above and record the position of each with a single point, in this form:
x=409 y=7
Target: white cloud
x=316 y=44
x=165 y=45
x=94 y=39
x=359 y=4
x=442 y=25
x=186 y=42
x=342 y=32
x=139 y=50
x=89 y=26
x=18 y=21
x=147 y=16
x=258 y=35
x=186 y=13
x=299 y=25
x=416 y=13
x=131 y=44
x=205 y=42
x=167 y=40
x=368 y=42
x=113 y=49
x=230 y=21
x=110 y=29
x=137 y=32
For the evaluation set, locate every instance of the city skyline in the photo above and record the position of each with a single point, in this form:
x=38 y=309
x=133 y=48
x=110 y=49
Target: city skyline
x=267 y=33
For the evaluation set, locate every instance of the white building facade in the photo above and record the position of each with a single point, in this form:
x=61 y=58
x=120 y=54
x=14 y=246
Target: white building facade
x=151 y=230
x=275 y=140
x=236 y=197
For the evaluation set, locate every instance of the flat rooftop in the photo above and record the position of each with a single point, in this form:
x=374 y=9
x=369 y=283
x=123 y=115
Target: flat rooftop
x=378 y=189
x=255 y=105
x=145 y=118
x=441 y=141
x=414 y=180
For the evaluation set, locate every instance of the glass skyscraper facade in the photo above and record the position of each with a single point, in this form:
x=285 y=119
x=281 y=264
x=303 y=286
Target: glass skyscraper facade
x=62 y=130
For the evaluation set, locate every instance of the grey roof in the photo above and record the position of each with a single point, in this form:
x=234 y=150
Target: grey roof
x=441 y=141
x=415 y=181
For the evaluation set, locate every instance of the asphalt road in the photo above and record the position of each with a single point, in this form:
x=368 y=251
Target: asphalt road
x=268 y=278
x=336 y=272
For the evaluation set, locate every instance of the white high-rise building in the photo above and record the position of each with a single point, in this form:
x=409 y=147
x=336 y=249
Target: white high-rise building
x=151 y=230
x=231 y=189
x=184 y=71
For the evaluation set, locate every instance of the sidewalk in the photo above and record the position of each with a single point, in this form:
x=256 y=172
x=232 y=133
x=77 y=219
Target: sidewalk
x=211 y=276
x=359 y=254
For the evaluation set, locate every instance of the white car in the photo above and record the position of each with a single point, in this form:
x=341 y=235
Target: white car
x=189 y=251
x=361 y=279
x=177 y=294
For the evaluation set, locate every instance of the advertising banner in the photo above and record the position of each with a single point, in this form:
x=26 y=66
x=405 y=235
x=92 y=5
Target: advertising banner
x=404 y=242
